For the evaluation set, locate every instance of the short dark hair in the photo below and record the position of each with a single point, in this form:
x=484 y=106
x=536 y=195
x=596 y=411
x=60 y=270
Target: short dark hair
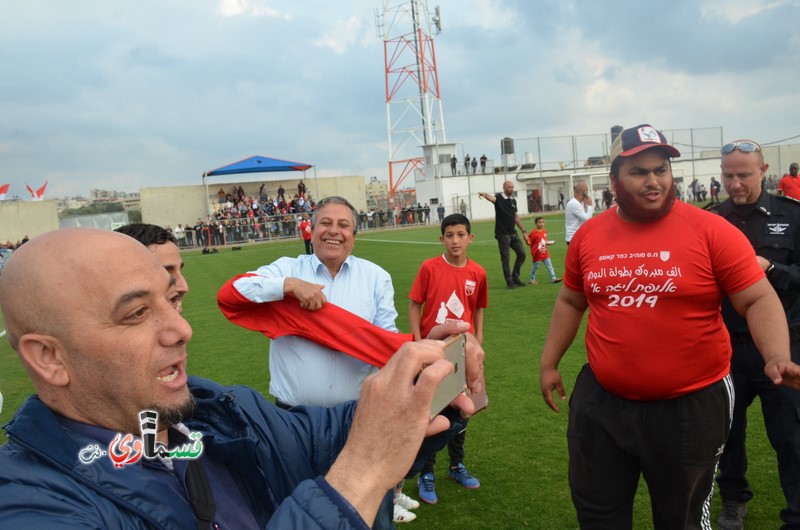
x=537 y=219
x=456 y=219
x=147 y=234
x=335 y=199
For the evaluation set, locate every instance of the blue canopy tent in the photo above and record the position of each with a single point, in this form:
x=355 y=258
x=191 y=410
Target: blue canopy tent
x=258 y=164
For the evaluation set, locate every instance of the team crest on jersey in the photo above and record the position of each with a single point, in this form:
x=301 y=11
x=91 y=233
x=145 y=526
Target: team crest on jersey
x=469 y=287
x=664 y=255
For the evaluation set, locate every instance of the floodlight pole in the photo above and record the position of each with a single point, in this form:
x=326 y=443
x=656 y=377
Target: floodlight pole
x=412 y=85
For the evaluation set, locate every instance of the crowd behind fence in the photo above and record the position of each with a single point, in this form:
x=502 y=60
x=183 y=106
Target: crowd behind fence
x=224 y=232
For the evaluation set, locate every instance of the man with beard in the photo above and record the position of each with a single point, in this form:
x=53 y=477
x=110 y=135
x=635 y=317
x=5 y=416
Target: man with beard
x=98 y=334
x=772 y=225
x=653 y=400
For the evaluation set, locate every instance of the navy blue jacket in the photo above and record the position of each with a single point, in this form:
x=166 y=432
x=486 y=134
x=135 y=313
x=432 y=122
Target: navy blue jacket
x=772 y=225
x=277 y=457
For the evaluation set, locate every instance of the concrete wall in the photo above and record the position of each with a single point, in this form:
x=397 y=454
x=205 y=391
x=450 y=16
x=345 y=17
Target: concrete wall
x=31 y=218
x=449 y=191
x=172 y=205
x=353 y=188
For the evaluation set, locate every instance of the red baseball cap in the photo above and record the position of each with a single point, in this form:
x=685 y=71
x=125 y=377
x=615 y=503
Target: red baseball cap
x=637 y=139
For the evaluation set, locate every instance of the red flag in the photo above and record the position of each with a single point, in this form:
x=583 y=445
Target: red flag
x=3 y=191
x=40 y=191
x=38 y=194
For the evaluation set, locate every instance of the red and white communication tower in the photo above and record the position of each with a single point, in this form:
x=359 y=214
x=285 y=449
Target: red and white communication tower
x=414 y=114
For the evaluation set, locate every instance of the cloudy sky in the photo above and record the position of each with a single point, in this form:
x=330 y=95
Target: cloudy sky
x=122 y=95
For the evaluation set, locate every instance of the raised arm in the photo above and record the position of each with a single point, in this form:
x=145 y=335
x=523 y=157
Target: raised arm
x=488 y=196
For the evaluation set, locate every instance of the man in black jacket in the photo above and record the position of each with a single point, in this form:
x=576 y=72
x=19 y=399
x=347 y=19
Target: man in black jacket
x=772 y=225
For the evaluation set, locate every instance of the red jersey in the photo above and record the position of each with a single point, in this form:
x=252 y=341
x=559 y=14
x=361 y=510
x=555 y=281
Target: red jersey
x=305 y=230
x=330 y=326
x=538 y=242
x=790 y=186
x=654 y=291
x=447 y=293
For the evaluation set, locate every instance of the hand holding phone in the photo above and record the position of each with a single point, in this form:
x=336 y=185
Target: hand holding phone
x=456 y=382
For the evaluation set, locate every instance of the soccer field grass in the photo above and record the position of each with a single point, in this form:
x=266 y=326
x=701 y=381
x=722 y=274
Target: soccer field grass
x=517 y=447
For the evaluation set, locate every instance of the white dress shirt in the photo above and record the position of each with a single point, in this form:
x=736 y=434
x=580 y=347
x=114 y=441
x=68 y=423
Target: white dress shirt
x=302 y=372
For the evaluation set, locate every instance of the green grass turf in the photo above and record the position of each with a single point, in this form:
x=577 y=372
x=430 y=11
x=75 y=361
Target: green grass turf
x=517 y=447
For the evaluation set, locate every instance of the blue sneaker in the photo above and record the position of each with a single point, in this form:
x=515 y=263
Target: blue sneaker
x=462 y=476
x=427 y=488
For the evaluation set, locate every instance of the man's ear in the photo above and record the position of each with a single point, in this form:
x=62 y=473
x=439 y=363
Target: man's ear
x=45 y=357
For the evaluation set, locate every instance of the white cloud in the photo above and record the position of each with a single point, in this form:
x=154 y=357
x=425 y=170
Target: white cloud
x=735 y=11
x=270 y=12
x=487 y=14
x=338 y=38
x=233 y=8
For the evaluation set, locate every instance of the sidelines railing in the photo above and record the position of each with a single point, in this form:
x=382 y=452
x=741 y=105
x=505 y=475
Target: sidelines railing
x=258 y=229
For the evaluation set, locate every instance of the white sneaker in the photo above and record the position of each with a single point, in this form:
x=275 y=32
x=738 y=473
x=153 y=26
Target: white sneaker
x=401 y=515
x=406 y=502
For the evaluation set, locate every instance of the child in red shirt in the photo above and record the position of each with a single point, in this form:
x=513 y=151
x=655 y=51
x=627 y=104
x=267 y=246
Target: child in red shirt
x=449 y=287
x=538 y=242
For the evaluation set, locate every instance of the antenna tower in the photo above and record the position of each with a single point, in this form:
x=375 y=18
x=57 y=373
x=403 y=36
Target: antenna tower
x=414 y=114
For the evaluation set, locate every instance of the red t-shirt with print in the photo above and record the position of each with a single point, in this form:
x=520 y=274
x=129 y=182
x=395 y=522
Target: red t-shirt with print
x=654 y=291
x=538 y=243
x=448 y=293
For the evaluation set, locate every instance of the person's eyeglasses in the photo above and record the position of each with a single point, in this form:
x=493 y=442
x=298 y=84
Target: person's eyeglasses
x=744 y=147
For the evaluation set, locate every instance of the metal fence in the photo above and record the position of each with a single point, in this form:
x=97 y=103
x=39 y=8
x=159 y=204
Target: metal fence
x=257 y=229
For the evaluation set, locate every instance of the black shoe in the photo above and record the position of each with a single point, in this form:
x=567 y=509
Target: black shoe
x=518 y=283
x=511 y=285
x=731 y=516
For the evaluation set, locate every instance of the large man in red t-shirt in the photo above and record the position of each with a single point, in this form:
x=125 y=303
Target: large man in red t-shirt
x=655 y=397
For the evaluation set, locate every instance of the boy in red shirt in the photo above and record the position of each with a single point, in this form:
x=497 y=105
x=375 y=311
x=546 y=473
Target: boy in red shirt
x=450 y=287
x=538 y=242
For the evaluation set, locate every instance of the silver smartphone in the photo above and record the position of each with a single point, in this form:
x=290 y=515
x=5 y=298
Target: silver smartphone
x=456 y=382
